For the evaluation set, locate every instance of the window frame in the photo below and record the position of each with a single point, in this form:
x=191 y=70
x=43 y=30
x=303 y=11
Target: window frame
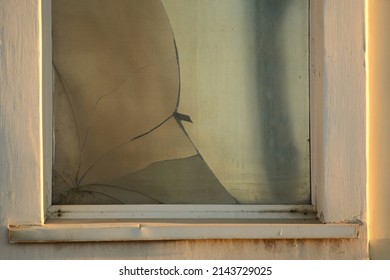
x=333 y=87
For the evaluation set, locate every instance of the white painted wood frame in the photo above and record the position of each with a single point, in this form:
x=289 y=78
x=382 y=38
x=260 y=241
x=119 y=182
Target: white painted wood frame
x=338 y=138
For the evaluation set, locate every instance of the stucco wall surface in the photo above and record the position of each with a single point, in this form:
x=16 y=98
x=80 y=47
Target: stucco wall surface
x=379 y=91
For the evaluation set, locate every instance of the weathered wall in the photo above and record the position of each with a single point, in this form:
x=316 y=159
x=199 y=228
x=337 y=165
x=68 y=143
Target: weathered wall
x=20 y=136
x=379 y=90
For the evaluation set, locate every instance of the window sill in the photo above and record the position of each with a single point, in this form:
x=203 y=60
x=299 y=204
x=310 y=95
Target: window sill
x=54 y=231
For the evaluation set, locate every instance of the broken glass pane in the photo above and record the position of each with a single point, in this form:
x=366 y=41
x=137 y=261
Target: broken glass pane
x=181 y=101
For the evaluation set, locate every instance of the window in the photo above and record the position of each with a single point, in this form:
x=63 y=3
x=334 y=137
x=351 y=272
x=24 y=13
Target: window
x=181 y=102
x=338 y=107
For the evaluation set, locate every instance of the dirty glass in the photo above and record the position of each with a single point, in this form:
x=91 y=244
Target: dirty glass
x=181 y=102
